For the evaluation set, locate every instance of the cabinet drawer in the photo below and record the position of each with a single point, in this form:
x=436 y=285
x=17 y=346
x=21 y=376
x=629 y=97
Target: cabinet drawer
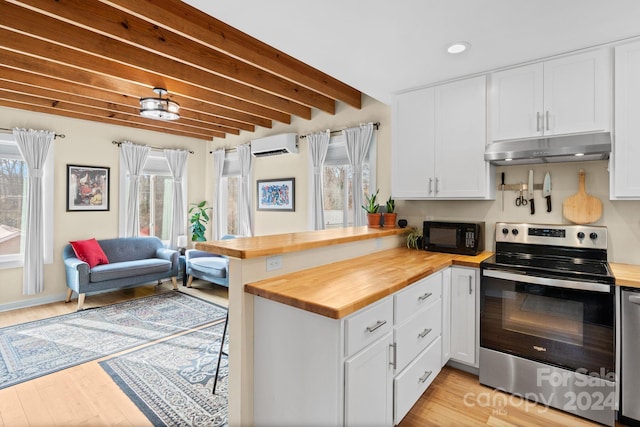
x=409 y=385
x=367 y=325
x=421 y=294
x=417 y=333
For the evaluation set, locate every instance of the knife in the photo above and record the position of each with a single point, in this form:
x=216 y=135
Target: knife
x=546 y=190
x=530 y=192
x=502 y=191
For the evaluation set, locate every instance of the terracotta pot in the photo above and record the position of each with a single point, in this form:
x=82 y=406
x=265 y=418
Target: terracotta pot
x=390 y=219
x=374 y=219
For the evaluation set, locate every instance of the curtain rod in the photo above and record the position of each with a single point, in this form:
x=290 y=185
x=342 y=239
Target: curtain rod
x=11 y=131
x=376 y=125
x=119 y=143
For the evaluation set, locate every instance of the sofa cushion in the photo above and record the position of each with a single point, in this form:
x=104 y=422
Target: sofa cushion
x=90 y=252
x=212 y=266
x=125 y=269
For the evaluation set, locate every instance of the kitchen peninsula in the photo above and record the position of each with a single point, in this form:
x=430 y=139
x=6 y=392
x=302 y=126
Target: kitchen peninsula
x=331 y=273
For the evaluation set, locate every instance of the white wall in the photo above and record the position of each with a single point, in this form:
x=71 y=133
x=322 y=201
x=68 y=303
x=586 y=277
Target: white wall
x=86 y=143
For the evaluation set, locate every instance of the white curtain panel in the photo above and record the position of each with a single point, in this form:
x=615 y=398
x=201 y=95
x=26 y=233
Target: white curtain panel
x=358 y=140
x=220 y=208
x=133 y=157
x=177 y=160
x=34 y=146
x=318 y=146
x=244 y=192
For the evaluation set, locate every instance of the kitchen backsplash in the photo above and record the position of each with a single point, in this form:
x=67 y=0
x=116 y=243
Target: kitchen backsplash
x=622 y=218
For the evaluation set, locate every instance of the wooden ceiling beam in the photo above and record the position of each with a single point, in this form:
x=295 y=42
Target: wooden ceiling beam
x=34 y=84
x=199 y=100
x=92 y=51
x=115 y=23
x=74 y=115
x=115 y=112
x=197 y=25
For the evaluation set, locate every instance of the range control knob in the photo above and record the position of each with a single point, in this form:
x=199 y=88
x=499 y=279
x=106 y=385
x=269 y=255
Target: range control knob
x=593 y=236
x=505 y=231
x=515 y=231
x=580 y=235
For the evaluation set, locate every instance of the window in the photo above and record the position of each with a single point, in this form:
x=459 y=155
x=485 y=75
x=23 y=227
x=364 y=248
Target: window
x=337 y=179
x=230 y=186
x=13 y=198
x=155 y=197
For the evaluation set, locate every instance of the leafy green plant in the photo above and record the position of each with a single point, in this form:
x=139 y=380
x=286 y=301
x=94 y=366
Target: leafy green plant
x=198 y=219
x=391 y=205
x=414 y=238
x=372 y=205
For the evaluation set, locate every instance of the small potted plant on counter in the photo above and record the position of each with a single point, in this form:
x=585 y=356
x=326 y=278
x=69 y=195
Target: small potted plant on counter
x=390 y=216
x=414 y=238
x=372 y=207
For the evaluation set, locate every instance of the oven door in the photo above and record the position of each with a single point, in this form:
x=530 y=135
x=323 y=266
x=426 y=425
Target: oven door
x=558 y=322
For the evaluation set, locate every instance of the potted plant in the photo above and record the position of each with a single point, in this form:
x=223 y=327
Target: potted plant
x=198 y=218
x=372 y=207
x=390 y=216
x=414 y=238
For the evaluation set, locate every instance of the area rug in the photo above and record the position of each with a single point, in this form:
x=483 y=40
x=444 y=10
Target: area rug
x=172 y=381
x=33 y=349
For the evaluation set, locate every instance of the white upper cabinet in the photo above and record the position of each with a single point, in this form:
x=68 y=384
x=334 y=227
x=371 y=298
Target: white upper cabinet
x=625 y=174
x=571 y=94
x=439 y=139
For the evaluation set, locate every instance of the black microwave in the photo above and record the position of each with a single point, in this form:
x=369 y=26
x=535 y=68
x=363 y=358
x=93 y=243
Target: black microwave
x=465 y=238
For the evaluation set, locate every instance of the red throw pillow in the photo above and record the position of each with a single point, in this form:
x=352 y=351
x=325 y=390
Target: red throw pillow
x=90 y=252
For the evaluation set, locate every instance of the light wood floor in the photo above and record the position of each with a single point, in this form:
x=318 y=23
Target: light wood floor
x=86 y=396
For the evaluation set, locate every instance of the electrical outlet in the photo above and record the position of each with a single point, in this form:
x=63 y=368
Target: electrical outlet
x=274 y=262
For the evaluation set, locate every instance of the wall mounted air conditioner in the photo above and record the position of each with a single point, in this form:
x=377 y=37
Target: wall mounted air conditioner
x=284 y=143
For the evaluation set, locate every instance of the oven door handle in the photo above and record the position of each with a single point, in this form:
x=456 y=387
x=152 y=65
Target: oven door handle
x=545 y=281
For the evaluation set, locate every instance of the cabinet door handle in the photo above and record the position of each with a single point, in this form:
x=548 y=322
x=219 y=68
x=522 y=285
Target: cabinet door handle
x=425 y=296
x=634 y=299
x=437 y=182
x=537 y=121
x=430 y=185
x=392 y=357
x=424 y=377
x=547 y=117
x=424 y=333
x=470 y=285
x=378 y=324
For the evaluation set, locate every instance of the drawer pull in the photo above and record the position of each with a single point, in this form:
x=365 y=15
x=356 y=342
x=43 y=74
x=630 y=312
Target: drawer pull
x=424 y=333
x=378 y=324
x=426 y=376
x=394 y=355
x=425 y=296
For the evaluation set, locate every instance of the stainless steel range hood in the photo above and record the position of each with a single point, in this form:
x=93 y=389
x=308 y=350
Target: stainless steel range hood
x=573 y=148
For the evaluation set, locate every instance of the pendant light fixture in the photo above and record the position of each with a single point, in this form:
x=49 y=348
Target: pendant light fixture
x=159 y=108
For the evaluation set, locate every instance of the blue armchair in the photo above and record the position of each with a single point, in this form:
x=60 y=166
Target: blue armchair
x=207 y=266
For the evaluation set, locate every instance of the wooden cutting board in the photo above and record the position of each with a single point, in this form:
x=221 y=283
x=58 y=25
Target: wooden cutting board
x=582 y=208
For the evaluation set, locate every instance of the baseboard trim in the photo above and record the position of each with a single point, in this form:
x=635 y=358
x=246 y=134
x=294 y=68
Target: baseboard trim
x=32 y=302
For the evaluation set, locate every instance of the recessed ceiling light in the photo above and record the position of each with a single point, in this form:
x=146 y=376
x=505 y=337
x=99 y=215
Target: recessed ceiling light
x=579 y=154
x=458 y=47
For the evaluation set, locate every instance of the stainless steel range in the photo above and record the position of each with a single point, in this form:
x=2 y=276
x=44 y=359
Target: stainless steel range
x=547 y=318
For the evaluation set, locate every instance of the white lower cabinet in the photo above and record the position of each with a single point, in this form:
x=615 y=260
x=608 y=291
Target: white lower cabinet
x=368 y=394
x=464 y=333
x=367 y=369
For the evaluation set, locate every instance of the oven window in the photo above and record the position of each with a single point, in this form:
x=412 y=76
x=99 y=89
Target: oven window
x=570 y=328
x=443 y=237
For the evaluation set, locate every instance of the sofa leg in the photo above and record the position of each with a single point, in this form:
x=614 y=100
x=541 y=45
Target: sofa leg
x=80 y=302
x=175 y=283
x=189 y=281
x=69 y=293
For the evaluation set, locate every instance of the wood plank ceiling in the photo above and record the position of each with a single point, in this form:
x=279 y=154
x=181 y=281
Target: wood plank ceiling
x=94 y=60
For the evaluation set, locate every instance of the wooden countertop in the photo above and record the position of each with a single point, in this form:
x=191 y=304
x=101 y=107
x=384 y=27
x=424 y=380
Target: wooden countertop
x=626 y=274
x=339 y=289
x=252 y=247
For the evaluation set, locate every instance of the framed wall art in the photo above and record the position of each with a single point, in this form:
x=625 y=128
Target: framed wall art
x=87 y=188
x=276 y=194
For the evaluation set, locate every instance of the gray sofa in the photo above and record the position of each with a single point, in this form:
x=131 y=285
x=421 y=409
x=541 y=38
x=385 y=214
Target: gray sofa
x=132 y=261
